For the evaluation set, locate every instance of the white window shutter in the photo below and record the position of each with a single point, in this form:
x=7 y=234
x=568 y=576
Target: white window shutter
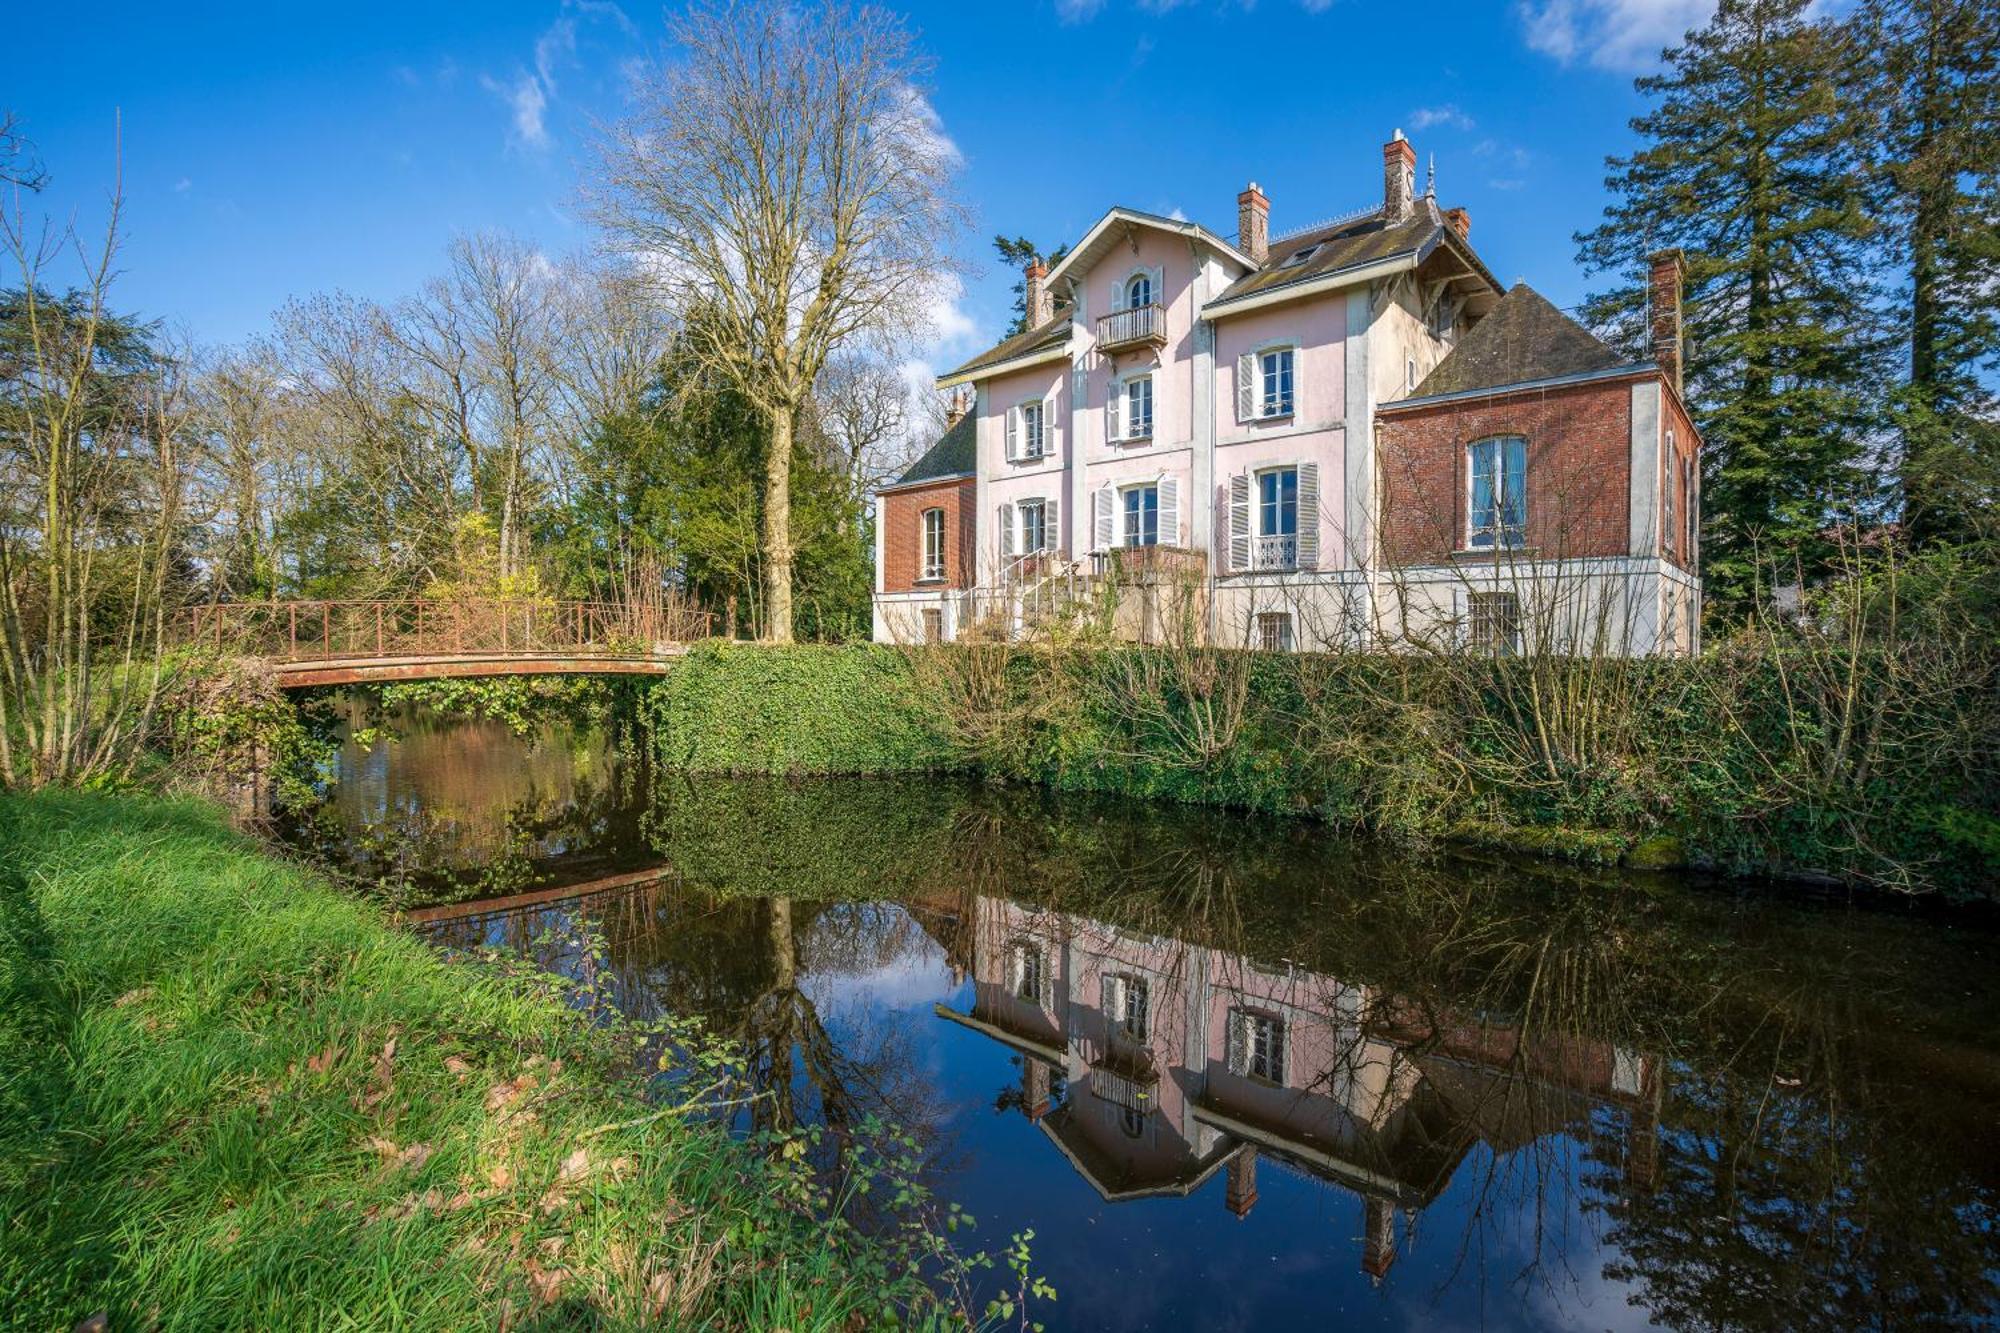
x=1051 y=525
x=1106 y=502
x=1117 y=295
x=1049 y=434
x=1239 y=521
x=1170 y=511
x=1006 y=532
x=1246 y=387
x=1114 y=411
x=1160 y=285
x=1239 y=1045
x=1013 y=433
x=1308 y=516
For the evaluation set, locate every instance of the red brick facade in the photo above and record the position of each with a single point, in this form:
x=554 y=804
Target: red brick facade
x=903 y=535
x=1579 y=446
x=1682 y=465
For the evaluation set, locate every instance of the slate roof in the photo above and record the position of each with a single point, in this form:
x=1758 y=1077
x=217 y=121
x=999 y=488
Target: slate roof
x=1522 y=340
x=954 y=454
x=1055 y=333
x=1345 y=243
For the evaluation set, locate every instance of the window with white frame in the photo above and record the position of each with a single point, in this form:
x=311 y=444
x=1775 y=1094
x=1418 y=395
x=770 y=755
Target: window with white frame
x=1027 y=432
x=1274 y=382
x=1034 y=519
x=1497 y=515
x=1278 y=518
x=1140 y=525
x=1027 y=971
x=933 y=567
x=1138 y=417
x=1257 y=1045
x=1670 y=530
x=1274 y=631
x=1495 y=622
x=1128 y=1002
x=1139 y=291
x=1693 y=476
x=933 y=620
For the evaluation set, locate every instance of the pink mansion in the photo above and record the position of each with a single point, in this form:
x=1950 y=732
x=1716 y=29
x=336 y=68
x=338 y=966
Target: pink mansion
x=1347 y=436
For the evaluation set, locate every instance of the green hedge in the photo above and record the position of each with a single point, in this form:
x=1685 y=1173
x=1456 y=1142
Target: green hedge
x=737 y=708
x=1753 y=759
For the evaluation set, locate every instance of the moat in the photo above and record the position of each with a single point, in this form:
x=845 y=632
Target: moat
x=1237 y=1072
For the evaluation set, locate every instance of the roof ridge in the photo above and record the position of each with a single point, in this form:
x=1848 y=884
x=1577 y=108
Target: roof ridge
x=1336 y=220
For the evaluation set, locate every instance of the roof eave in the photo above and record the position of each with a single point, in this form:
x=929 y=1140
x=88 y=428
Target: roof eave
x=1135 y=217
x=969 y=374
x=1325 y=282
x=1628 y=370
x=894 y=486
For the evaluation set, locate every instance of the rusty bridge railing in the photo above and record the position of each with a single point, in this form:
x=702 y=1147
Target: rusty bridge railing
x=325 y=631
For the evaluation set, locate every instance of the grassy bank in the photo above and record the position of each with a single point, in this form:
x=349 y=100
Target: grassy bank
x=1876 y=769
x=232 y=1097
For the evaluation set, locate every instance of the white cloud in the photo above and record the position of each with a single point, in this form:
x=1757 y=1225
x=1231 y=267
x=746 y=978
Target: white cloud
x=1176 y=214
x=1448 y=115
x=1077 y=11
x=1621 y=35
x=1315 y=6
x=556 y=42
x=945 y=319
x=527 y=103
x=183 y=185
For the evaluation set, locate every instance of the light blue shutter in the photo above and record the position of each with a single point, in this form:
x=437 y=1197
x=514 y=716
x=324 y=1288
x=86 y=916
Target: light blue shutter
x=1170 y=511
x=1308 y=516
x=1013 y=416
x=1246 y=387
x=1051 y=529
x=1006 y=521
x=1105 y=502
x=1480 y=521
x=1514 y=489
x=1114 y=410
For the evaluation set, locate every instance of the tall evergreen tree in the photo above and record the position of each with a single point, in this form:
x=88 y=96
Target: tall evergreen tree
x=1752 y=162
x=1938 y=87
x=1015 y=254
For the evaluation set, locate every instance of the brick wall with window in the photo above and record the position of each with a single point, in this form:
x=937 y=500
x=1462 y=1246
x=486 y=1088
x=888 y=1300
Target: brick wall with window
x=903 y=553
x=1578 y=447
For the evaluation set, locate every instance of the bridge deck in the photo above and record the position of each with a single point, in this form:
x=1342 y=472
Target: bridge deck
x=457 y=666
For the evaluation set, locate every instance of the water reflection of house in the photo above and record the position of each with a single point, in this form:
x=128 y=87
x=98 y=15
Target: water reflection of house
x=1152 y=1064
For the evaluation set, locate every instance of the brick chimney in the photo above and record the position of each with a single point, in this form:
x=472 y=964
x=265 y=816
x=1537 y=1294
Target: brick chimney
x=956 y=406
x=1378 y=1239
x=1399 y=178
x=1663 y=295
x=1039 y=300
x=1253 y=224
x=1460 y=220
x=1241 y=1195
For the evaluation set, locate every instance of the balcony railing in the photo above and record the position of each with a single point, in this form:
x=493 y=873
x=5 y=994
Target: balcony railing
x=1132 y=328
x=1276 y=553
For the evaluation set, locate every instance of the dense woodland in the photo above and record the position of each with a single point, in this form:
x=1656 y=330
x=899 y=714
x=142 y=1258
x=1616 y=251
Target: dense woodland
x=701 y=404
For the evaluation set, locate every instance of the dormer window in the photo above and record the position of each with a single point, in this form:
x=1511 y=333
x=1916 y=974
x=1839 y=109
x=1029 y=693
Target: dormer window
x=1139 y=291
x=1300 y=256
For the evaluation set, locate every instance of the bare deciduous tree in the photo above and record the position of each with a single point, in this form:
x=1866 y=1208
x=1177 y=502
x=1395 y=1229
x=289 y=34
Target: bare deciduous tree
x=785 y=177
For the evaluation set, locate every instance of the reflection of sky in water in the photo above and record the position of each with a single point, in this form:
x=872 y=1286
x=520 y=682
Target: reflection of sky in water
x=1515 y=1232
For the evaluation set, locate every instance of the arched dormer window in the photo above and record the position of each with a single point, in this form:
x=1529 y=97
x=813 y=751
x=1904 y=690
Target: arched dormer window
x=1139 y=291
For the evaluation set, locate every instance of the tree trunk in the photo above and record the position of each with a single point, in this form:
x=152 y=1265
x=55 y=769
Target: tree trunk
x=778 y=530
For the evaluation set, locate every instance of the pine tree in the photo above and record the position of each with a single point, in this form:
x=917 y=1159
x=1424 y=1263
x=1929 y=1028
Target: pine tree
x=1015 y=254
x=1938 y=177
x=1752 y=162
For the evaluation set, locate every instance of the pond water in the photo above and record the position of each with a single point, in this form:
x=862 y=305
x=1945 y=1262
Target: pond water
x=1238 y=1073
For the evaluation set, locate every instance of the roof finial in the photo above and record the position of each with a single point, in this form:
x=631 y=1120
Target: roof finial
x=1431 y=179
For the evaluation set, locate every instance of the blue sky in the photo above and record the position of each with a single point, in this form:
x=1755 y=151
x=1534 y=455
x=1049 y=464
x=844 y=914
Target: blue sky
x=277 y=151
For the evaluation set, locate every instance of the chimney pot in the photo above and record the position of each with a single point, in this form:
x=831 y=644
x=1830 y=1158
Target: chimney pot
x=1399 y=178
x=1666 y=277
x=1460 y=220
x=1253 y=224
x=1039 y=301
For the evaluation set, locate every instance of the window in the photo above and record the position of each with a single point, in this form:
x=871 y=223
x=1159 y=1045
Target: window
x=1027 y=971
x=1274 y=373
x=1128 y=1002
x=1278 y=518
x=1132 y=1121
x=1274 y=631
x=1496 y=622
x=1142 y=516
x=1139 y=291
x=1032 y=439
x=1257 y=1045
x=1034 y=525
x=933 y=625
x=1693 y=508
x=1139 y=408
x=933 y=544
x=1670 y=523
x=1499 y=511
x=1300 y=256
x=1409 y=372
x=1440 y=317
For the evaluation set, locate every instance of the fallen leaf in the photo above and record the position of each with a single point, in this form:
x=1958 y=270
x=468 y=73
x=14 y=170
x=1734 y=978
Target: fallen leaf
x=574 y=1168
x=457 y=1066
x=499 y=1176
x=129 y=997
x=96 y=1323
x=322 y=1062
